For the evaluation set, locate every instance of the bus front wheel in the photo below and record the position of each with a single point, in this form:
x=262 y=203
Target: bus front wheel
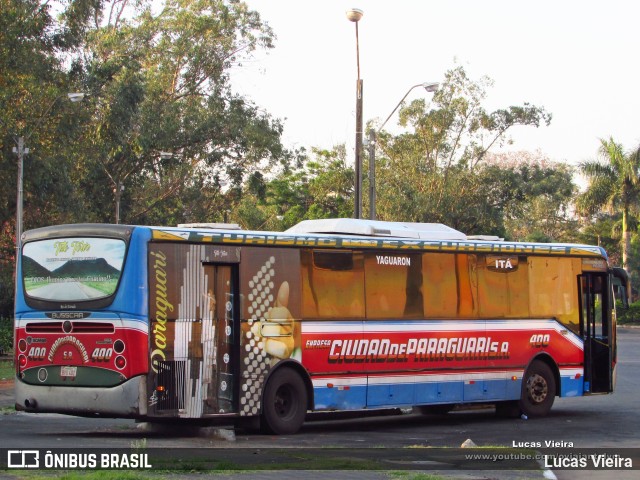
x=538 y=390
x=284 y=402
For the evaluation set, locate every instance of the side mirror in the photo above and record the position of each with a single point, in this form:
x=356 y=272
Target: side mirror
x=621 y=286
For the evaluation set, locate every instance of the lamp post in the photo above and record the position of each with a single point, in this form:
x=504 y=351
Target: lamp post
x=20 y=150
x=429 y=87
x=354 y=15
x=118 y=189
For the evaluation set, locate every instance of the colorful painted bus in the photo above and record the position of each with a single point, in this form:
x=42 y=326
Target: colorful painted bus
x=217 y=323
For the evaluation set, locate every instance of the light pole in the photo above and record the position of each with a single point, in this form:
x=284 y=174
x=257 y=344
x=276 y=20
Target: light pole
x=429 y=87
x=20 y=150
x=354 y=15
x=117 y=191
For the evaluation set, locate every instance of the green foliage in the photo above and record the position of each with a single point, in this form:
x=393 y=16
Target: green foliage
x=7 y=268
x=33 y=105
x=321 y=187
x=458 y=131
x=437 y=171
x=163 y=134
x=7 y=288
x=166 y=123
x=6 y=334
x=630 y=315
x=614 y=187
x=7 y=371
x=533 y=194
x=600 y=232
x=161 y=131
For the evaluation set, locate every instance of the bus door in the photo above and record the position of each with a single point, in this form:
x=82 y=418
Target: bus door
x=194 y=330
x=596 y=330
x=224 y=306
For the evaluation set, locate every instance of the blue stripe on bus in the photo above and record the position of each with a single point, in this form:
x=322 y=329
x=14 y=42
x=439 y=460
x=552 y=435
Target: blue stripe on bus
x=358 y=397
x=571 y=386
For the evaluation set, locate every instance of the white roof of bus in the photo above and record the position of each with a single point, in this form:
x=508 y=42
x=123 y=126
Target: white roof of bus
x=427 y=231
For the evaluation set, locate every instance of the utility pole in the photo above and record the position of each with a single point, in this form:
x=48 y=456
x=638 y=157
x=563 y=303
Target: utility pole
x=372 y=174
x=21 y=151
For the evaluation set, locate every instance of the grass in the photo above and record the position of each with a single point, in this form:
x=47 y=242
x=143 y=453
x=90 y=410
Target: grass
x=120 y=475
x=127 y=475
x=414 y=476
x=97 y=475
x=7 y=369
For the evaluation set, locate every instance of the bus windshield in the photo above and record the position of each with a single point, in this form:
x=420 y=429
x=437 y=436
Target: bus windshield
x=72 y=269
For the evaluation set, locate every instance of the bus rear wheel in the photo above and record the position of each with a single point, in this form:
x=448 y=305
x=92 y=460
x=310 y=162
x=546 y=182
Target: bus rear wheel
x=284 y=403
x=538 y=390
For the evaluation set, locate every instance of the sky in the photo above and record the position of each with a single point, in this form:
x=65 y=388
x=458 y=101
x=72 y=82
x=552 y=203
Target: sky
x=577 y=59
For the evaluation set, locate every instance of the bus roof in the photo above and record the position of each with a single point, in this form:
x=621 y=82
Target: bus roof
x=334 y=233
x=376 y=228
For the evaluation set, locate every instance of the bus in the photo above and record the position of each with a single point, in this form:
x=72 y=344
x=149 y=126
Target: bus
x=211 y=322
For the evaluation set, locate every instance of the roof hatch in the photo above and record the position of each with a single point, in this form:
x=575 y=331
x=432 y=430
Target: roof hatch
x=211 y=226
x=378 y=228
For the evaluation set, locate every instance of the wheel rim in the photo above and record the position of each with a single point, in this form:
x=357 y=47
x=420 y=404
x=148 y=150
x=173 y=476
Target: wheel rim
x=283 y=402
x=537 y=388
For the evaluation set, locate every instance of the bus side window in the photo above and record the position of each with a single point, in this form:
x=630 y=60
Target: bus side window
x=446 y=294
x=553 y=290
x=393 y=285
x=333 y=284
x=503 y=290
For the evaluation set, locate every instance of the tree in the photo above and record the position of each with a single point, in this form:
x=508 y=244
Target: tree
x=320 y=187
x=33 y=82
x=534 y=195
x=458 y=130
x=433 y=172
x=614 y=185
x=163 y=108
x=331 y=184
x=599 y=231
x=161 y=118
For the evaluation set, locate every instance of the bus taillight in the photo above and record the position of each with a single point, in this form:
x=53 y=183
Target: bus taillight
x=22 y=361
x=118 y=346
x=121 y=362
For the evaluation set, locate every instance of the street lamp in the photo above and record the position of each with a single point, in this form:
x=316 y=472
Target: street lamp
x=21 y=151
x=354 y=15
x=429 y=87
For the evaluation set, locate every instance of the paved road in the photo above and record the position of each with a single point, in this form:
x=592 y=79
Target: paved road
x=608 y=421
x=66 y=291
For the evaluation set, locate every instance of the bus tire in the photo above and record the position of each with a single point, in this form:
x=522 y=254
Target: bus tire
x=538 y=390
x=284 y=403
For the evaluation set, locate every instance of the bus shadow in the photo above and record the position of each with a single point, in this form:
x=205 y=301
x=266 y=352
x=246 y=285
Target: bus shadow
x=390 y=422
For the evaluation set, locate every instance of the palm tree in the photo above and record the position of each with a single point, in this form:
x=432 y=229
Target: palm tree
x=614 y=185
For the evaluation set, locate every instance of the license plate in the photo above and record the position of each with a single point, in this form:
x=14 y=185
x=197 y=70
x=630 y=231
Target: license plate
x=68 y=371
